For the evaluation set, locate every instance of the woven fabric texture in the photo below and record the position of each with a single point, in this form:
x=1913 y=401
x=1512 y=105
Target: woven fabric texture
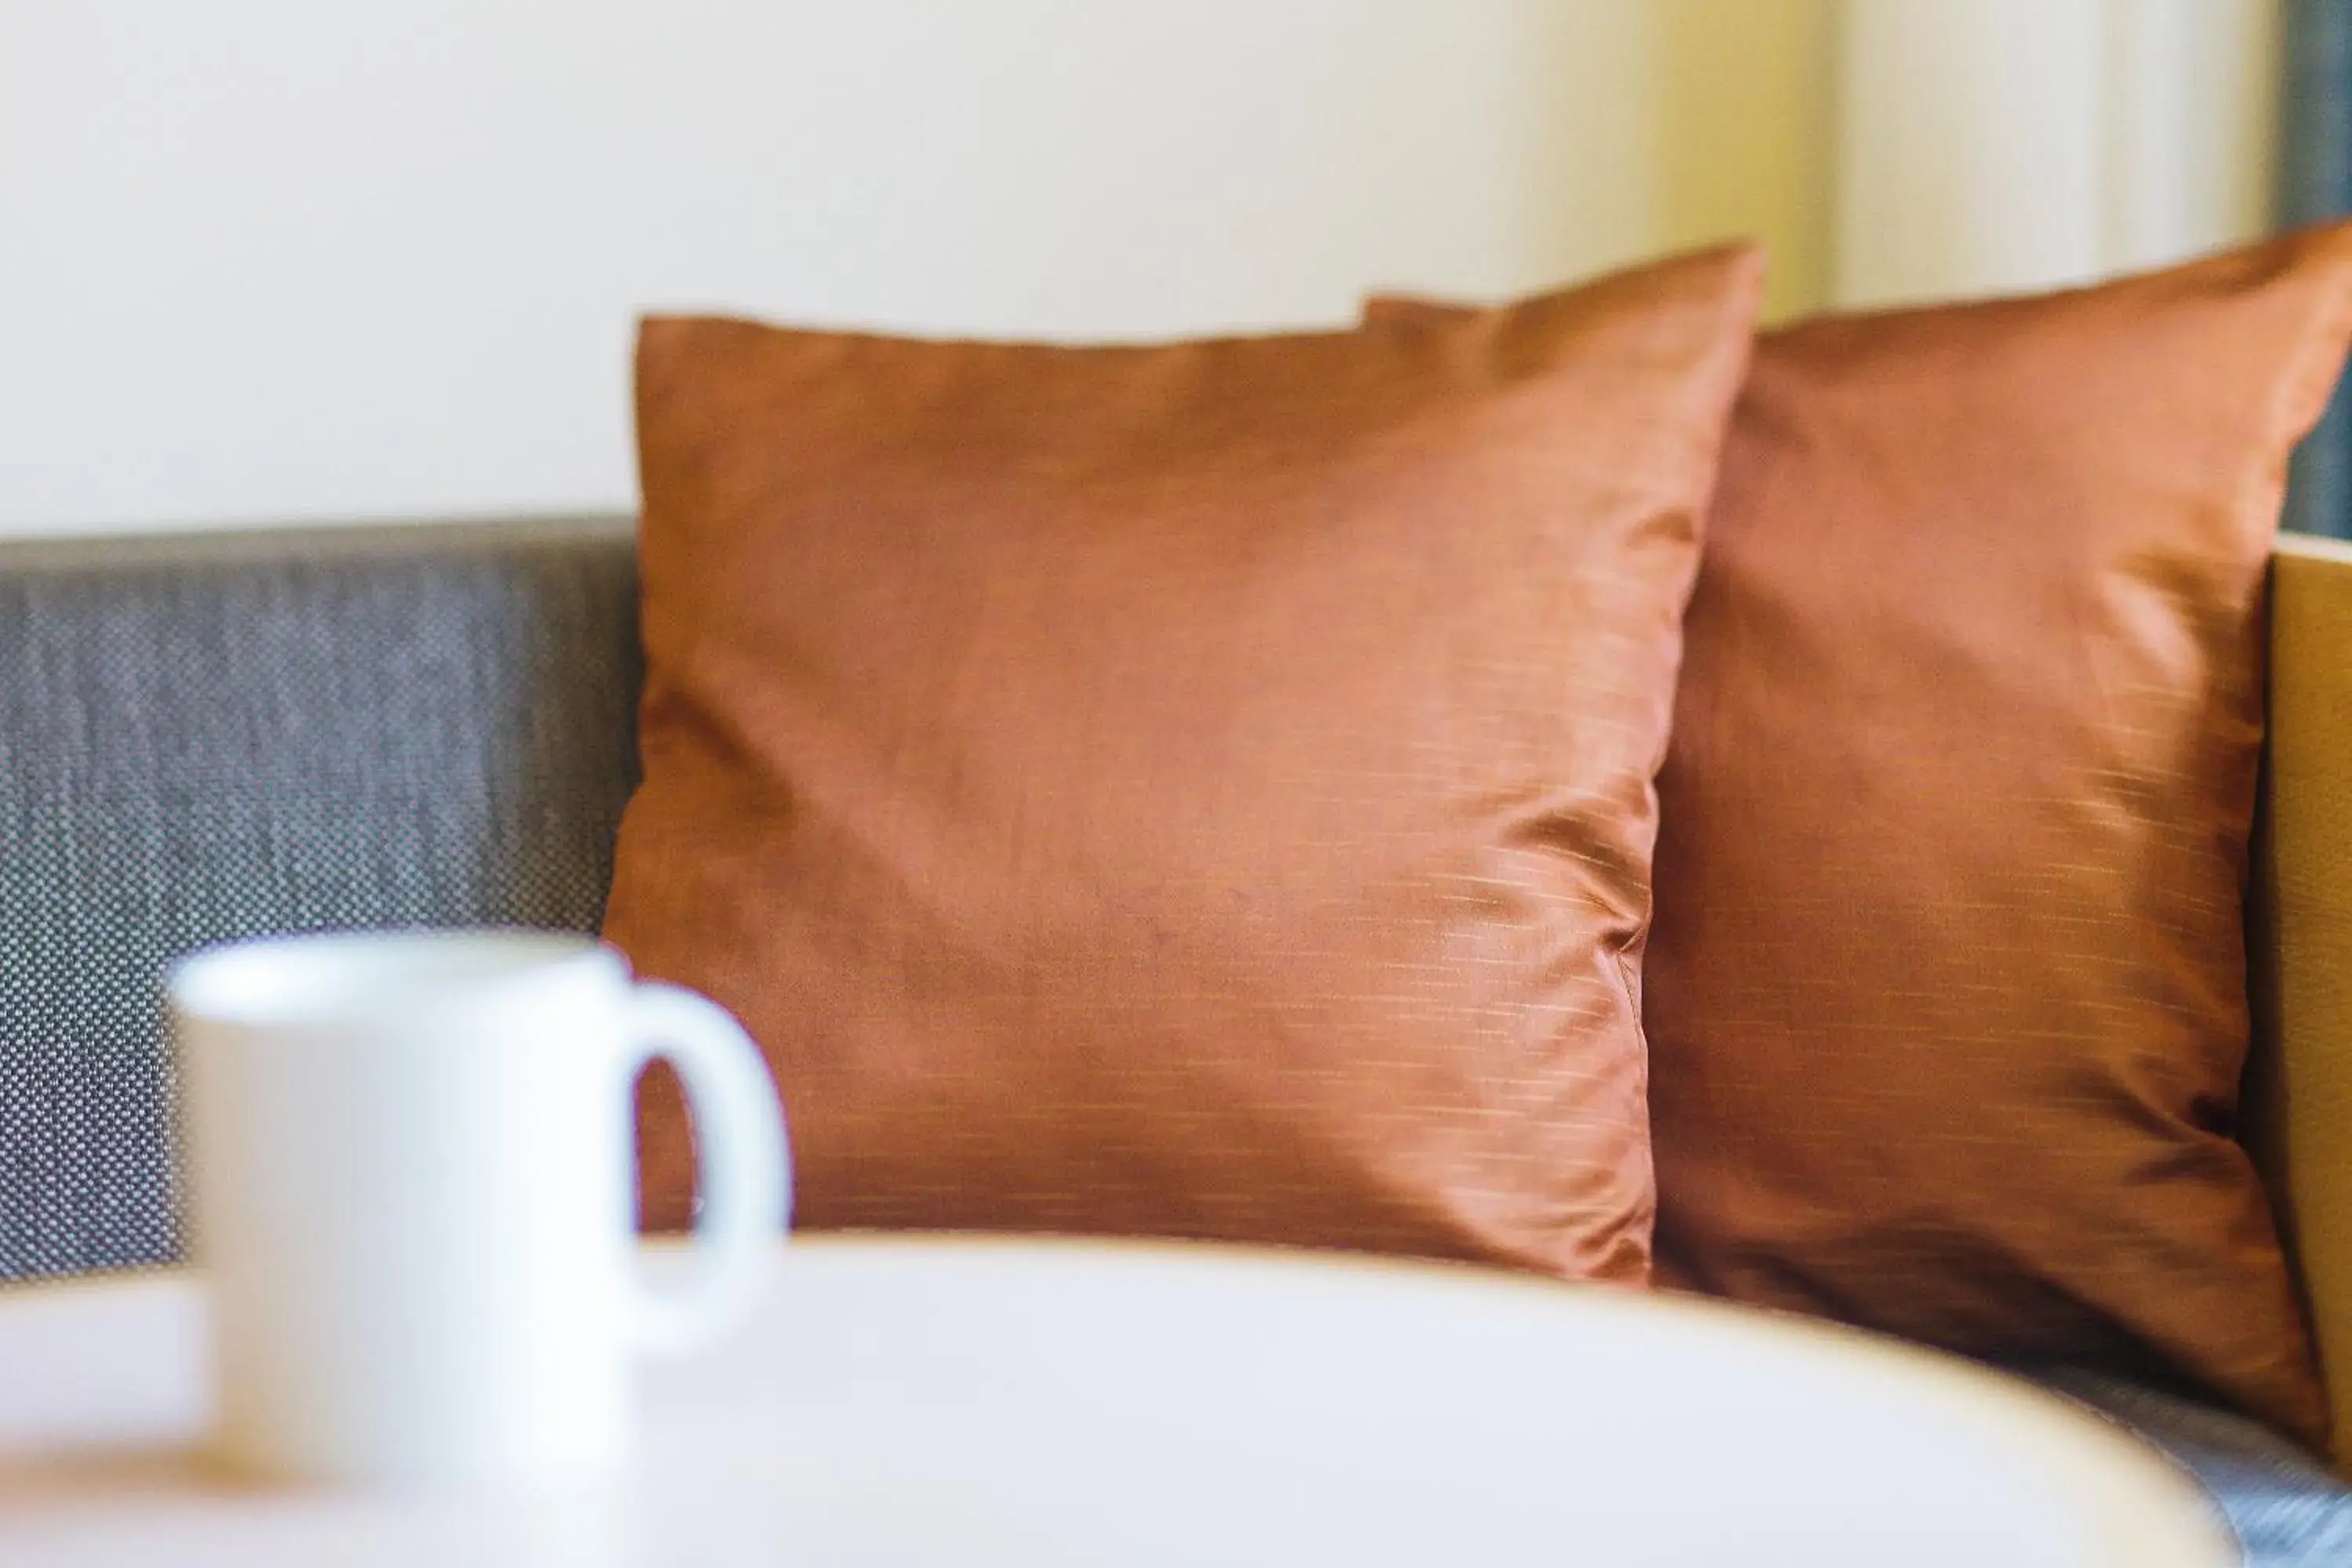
x=209 y=738
x=2287 y=1509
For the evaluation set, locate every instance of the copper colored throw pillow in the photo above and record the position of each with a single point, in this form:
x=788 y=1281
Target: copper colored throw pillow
x=1947 y=998
x=1197 y=790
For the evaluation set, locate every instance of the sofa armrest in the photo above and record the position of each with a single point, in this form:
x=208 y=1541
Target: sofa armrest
x=2298 y=1108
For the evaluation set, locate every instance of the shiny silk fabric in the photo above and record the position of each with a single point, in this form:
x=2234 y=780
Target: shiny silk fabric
x=1949 y=989
x=1198 y=790
x=1946 y=1002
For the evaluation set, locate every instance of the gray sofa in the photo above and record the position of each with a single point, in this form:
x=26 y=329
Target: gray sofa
x=221 y=735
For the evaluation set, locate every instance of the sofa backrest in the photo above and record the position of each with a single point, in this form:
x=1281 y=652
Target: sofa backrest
x=216 y=736
x=221 y=735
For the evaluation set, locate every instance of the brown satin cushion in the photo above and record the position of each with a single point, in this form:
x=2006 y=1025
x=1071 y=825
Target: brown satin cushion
x=1198 y=790
x=1947 y=995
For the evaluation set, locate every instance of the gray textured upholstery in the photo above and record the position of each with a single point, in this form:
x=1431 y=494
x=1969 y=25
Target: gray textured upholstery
x=2288 y=1510
x=217 y=736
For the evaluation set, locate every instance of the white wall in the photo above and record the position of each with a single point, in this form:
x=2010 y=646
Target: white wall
x=266 y=259
x=283 y=259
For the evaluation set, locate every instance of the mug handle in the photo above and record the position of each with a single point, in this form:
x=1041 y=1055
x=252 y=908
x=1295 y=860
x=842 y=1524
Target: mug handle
x=742 y=1163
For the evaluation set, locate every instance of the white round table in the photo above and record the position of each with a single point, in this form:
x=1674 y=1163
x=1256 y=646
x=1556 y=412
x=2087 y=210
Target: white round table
x=949 y=1402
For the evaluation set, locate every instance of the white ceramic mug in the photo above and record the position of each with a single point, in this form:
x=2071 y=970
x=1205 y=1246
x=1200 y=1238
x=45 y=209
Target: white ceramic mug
x=411 y=1180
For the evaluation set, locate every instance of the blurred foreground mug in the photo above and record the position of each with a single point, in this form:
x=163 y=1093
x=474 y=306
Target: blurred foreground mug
x=411 y=1178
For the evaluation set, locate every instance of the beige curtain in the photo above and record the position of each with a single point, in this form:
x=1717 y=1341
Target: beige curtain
x=1997 y=146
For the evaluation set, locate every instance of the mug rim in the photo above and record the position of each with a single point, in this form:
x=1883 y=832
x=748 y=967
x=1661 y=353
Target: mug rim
x=325 y=977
